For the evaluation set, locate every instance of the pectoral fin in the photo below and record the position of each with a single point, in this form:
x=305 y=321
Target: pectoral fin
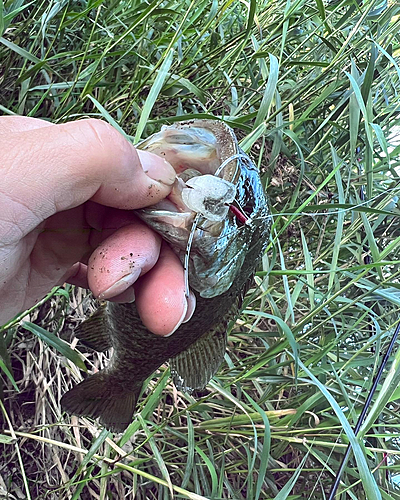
x=193 y=369
x=94 y=332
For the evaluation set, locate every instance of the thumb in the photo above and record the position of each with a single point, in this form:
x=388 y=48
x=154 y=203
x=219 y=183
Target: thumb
x=58 y=167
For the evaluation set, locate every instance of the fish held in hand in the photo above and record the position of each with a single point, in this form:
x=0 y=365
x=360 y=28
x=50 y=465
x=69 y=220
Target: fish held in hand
x=218 y=204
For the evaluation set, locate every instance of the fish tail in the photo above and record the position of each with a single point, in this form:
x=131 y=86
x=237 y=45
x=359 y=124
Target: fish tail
x=100 y=396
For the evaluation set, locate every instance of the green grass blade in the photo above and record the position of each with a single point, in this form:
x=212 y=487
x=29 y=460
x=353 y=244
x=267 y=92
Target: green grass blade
x=390 y=57
x=93 y=449
x=266 y=446
x=153 y=94
x=250 y=19
x=20 y=51
x=212 y=471
x=340 y=218
x=372 y=243
x=84 y=482
x=309 y=269
x=354 y=116
x=58 y=344
x=6 y=439
x=382 y=140
x=9 y=375
x=286 y=490
x=10 y=16
x=383 y=396
x=107 y=116
x=157 y=455
x=290 y=310
x=369 y=75
x=269 y=91
x=190 y=458
x=295 y=139
x=287 y=331
x=2 y=23
x=248 y=141
x=363 y=108
x=321 y=9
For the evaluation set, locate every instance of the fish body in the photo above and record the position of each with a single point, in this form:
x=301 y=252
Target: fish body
x=223 y=257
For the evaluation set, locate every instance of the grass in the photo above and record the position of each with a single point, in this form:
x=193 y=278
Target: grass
x=312 y=90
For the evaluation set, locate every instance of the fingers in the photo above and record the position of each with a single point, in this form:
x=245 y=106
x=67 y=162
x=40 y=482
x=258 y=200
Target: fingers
x=131 y=255
x=65 y=165
x=160 y=295
x=120 y=259
x=76 y=275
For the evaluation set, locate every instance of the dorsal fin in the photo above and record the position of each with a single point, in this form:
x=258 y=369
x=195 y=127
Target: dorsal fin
x=194 y=368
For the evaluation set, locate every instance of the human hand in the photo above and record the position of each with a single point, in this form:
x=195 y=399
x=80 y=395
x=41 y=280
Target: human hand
x=66 y=195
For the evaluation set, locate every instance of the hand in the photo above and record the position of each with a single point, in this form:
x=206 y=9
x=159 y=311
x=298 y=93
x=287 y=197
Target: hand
x=66 y=195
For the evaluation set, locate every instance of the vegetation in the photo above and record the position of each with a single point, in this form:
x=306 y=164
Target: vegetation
x=312 y=90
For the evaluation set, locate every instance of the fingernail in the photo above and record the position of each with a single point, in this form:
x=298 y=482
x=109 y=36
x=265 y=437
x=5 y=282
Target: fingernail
x=187 y=313
x=157 y=168
x=121 y=285
x=127 y=297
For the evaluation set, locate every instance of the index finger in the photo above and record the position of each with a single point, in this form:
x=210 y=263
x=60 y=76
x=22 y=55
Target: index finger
x=63 y=166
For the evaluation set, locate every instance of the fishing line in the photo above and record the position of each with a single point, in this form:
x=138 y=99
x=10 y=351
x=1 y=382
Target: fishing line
x=336 y=212
x=236 y=156
x=316 y=214
x=187 y=253
x=243 y=156
x=198 y=216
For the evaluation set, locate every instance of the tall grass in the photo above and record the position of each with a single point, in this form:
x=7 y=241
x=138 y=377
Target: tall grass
x=312 y=90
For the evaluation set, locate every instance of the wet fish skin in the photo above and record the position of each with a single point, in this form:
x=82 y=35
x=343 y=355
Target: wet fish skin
x=111 y=394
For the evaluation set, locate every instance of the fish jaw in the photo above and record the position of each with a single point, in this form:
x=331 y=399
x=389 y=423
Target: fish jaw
x=219 y=246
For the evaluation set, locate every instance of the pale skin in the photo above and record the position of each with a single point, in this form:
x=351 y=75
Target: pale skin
x=66 y=198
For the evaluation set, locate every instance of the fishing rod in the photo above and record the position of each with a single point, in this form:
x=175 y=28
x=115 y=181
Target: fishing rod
x=365 y=409
x=385 y=359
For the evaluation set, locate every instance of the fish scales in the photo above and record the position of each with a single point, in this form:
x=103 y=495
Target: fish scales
x=223 y=258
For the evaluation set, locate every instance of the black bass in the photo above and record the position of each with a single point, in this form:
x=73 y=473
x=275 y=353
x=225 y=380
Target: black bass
x=228 y=236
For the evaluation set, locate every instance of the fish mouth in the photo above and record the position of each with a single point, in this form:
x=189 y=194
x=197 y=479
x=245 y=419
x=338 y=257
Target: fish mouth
x=195 y=149
x=200 y=145
x=205 y=152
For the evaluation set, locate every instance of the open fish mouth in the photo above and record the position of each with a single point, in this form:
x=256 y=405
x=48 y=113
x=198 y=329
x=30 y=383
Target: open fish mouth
x=218 y=186
x=196 y=150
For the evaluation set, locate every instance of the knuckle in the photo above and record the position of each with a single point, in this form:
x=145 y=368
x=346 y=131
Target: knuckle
x=106 y=139
x=101 y=131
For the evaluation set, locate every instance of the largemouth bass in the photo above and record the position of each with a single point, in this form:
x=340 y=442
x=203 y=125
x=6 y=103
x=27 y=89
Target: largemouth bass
x=229 y=238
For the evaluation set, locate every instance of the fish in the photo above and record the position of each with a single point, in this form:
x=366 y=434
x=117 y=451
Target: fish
x=227 y=236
